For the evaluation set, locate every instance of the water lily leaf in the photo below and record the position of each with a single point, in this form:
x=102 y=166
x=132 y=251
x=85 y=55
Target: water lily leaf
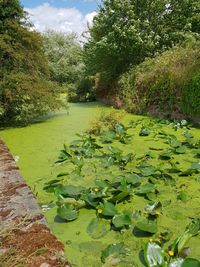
x=191 y=230
x=107 y=162
x=194 y=227
x=189 y=262
x=188 y=135
x=144 y=132
x=98 y=228
x=147 y=170
x=133 y=179
x=173 y=142
x=145 y=189
x=69 y=190
x=154 y=255
x=197 y=153
x=120 y=196
x=67 y=212
x=146 y=225
x=107 y=209
x=93 y=202
x=107 y=137
x=122 y=220
x=166 y=155
x=115 y=250
x=102 y=184
x=51 y=185
x=181 y=150
x=195 y=165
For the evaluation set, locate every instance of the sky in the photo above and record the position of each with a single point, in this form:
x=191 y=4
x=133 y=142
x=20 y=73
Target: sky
x=61 y=15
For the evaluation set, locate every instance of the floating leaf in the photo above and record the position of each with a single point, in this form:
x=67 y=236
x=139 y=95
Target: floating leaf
x=98 y=228
x=195 y=165
x=189 y=262
x=69 y=190
x=147 y=170
x=154 y=255
x=107 y=137
x=166 y=155
x=115 y=250
x=145 y=189
x=144 y=132
x=89 y=200
x=133 y=179
x=49 y=186
x=67 y=212
x=107 y=209
x=146 y=225
x=181 y=150
x=122 y=220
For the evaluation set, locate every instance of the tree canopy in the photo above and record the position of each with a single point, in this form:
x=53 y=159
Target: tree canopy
x=25 y=91
x=125 y=32
x=65 y=57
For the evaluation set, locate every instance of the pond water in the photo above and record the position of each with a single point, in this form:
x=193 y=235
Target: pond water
x=37 y=147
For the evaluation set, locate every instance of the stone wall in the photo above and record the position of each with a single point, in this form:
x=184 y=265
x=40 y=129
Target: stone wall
x=23 y=229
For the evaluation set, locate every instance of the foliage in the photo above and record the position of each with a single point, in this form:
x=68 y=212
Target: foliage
x=165 y=84
x=156 y=256
x=106 y=120
x=65 y=56
x=120 y=179
x=191 y=96
x=25 y=91
x=124 y=33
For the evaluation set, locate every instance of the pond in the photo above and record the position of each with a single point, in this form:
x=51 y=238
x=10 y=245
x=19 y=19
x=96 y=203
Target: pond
x=37 y=148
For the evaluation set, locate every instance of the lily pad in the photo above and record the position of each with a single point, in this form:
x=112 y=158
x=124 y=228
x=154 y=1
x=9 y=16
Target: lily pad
x=115 y=250
x=122 y=220
x=67 y=212
x=189 y=262
x=146 y=225
x=98 y=228
x=145 y=189
x=107 y=209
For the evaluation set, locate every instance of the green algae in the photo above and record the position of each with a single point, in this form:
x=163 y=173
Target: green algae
x=38 y=146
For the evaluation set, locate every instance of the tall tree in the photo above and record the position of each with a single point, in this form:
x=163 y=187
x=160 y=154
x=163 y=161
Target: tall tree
x=25 y=91
x=125 y=32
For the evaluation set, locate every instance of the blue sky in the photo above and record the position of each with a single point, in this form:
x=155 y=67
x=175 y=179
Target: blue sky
x=85 y=6
x=61 y=15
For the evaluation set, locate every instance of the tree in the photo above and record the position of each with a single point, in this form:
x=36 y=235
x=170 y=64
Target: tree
x=125 y=32
x=25 y=91
x=64 y=53
x=65 y=56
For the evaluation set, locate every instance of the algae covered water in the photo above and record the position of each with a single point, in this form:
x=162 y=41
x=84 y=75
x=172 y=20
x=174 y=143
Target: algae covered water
x=37 y=148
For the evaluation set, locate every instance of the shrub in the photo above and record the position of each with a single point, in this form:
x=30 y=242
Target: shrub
x=25 y=97
x=191 y=96
x=162 y=83
x=106 y=120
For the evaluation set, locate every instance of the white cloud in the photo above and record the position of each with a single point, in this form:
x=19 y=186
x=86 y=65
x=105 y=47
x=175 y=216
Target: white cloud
x=45 y=17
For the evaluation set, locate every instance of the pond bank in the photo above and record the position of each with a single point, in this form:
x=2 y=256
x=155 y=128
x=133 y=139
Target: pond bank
x=24 y=230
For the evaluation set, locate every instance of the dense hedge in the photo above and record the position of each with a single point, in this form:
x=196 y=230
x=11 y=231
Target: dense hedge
x=168 y=83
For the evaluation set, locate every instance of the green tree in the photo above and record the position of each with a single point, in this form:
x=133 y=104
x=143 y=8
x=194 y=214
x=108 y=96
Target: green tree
x=125 y=32
x=65 y=57
x=25 y=91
